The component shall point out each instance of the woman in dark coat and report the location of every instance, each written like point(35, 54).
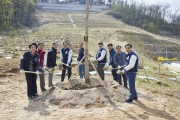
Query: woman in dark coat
point(30, 62)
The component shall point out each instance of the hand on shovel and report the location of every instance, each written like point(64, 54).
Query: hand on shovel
point(120, 72)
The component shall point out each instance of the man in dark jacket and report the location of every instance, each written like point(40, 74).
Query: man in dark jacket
point(42, 64)
point(51, 61)
point(111, 60)
point(66, 59)
point(101, 57)
point(119, 61)
point(30, 63)
point(80, 57)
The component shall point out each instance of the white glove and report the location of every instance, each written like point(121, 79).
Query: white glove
point(44, 67)
point(107, 65)
point(67, 64)
point(20, 71)
point(37, 72)
point(123, 71)
point(98, 59)
point(119, 66)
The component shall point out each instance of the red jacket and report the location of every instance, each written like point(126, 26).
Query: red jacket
point(41, 54)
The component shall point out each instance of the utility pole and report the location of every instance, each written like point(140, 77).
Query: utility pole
point(87, 78)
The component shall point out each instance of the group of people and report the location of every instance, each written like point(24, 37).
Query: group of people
point(126, 62)
point(37, 60)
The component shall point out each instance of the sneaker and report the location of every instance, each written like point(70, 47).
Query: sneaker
point(44, 90)
point(126, 87)
point(128, 100)
point(30, 98)
point(51, 85)
point(135, 98)
point(35, 96)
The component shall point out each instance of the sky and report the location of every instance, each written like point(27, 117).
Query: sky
point(174, 4)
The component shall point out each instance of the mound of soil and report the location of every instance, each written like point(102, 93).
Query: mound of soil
point(78, 94)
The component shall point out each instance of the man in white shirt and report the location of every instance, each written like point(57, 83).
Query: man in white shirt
point(101, 57)
point(131, 69)
point(66, 59)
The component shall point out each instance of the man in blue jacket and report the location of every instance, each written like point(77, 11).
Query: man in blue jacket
point(51, 61)
point(81, 58)
point(112, 52)
point(66, 59)
point(119, 61)
point(101, 57)
point(131, 69)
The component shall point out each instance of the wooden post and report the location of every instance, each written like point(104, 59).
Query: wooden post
point(87, 78)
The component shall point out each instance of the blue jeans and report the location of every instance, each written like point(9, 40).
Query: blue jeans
point(82, 71)
point(131, 79)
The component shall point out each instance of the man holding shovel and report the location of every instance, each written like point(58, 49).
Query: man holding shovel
point(119, 61)
point(66, 59)
point(42, 64)
point(29, 64)
point(80, 57)
point(51, 61)
point(101, 58)
point(112, 52)
point(131, 69)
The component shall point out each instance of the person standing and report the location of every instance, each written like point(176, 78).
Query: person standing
point(51, 62)
point(42, 64)
point(131, 69)
point(66, 59)
point(30, 63)
point(119, 61)
point(101, 58)
point(81, 58)
point(112, 52)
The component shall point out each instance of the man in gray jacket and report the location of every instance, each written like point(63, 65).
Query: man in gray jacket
point(120, 60)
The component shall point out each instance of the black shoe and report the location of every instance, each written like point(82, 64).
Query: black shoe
point(126, 87)
point(135, 98)
point(128, 100)
point(51, 85)
point(44, 90)
point(35, 96)
point(30, 97)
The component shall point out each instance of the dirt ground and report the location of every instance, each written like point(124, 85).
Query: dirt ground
point(15, 106)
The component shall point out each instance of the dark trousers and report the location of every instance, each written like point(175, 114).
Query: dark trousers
point(118, 78)
point(124, 76)
point(114, 74)
point(100, 70)
point(31, 84)
point(82, 70)
point(42, 79)
point(64, 72)
point(131, 79)
point(50, 78)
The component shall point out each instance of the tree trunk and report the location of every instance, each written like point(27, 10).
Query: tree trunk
point(87, 78)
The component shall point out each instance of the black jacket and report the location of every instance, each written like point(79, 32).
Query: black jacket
point(51, 58)
point(30, 62)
